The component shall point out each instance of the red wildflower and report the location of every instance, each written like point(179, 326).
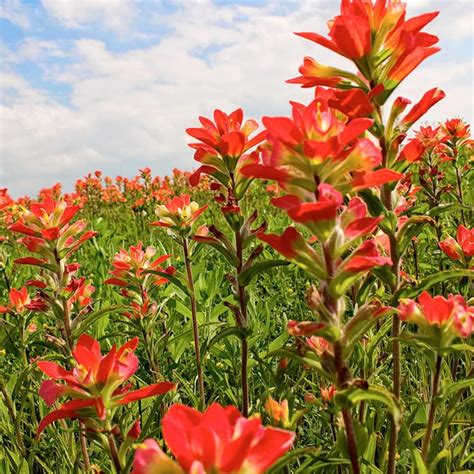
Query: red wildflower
point(48, 229)
point(178, 213)
point(218, 440)
point(314, 145)
point(319, 216)
point(452, 316)
point(21, 301)
point(278, 412)
point(328, 393)
point(129, 265)
point(462, 248)
point(456, 129)
point(292, 245)
point(384, 46)
point(94, 382)
point(413, 151)
point(222, 144)
point(429, 99)
point(364, 258)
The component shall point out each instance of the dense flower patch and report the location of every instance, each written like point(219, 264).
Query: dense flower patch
point(301, 302)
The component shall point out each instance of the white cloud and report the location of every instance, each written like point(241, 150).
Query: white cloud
point(15, 12)
point(130, 109)
point(115, 15)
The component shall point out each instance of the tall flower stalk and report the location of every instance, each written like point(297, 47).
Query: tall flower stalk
point(223, 149)
point(178, 216)
point(385, 47)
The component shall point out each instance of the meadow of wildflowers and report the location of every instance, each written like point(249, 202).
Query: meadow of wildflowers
point(300, 303)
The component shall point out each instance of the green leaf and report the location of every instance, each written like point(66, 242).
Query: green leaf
point(419, 466)
point(441, 208)
point(374, 204)
point(92, 318)
point(308, 361)
point(171, 278)
point(430, 281)
point(452, 387)
point(375, 393)
point(247, 275)
point(232, 331)
point(410, 229)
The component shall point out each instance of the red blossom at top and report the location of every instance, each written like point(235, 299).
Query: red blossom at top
point(94, 382)
point(222, 144)
point(382, 43)
point(220, 440)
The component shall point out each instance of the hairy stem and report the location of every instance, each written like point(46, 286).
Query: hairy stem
point(242, 297)
point(197, 349)
point(387, 202)
point(342, 372)
point(85, 453)
point(114, 453)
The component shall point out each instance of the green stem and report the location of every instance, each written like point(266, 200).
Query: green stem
point(432, 412)
point(197, 350)
point(461, 197)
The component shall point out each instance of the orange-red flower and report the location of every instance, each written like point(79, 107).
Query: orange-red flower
point(430, 98)
point(130, 265)
point(94, 382)
point(462, 248)
point(315, 146)
point(292, 245)
point(49, 232)
point(20, 301)
point(456, 129)
point(178, 213)
point(219, 440)
point(364, 258)
point(223, 145)
point(328, 393)
point(442, 318)
point(412, 151)
point(383, 45)
point(278, 412)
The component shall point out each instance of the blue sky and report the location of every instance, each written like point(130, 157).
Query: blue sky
point(112, 84)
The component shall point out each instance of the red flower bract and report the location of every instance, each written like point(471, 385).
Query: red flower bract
point(219, 440)
point(94, 382)
point(451, 315)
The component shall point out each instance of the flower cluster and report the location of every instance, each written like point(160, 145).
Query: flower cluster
point(315, 145)
point(335, 225)
point(219, 440)
point(442, 319)
point(94, 383)
point(178, 213)
point(461, 248)
point(384, 45)
point(49, 232)
point(138, 274)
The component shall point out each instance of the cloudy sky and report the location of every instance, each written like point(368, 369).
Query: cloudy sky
point(112, 84)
